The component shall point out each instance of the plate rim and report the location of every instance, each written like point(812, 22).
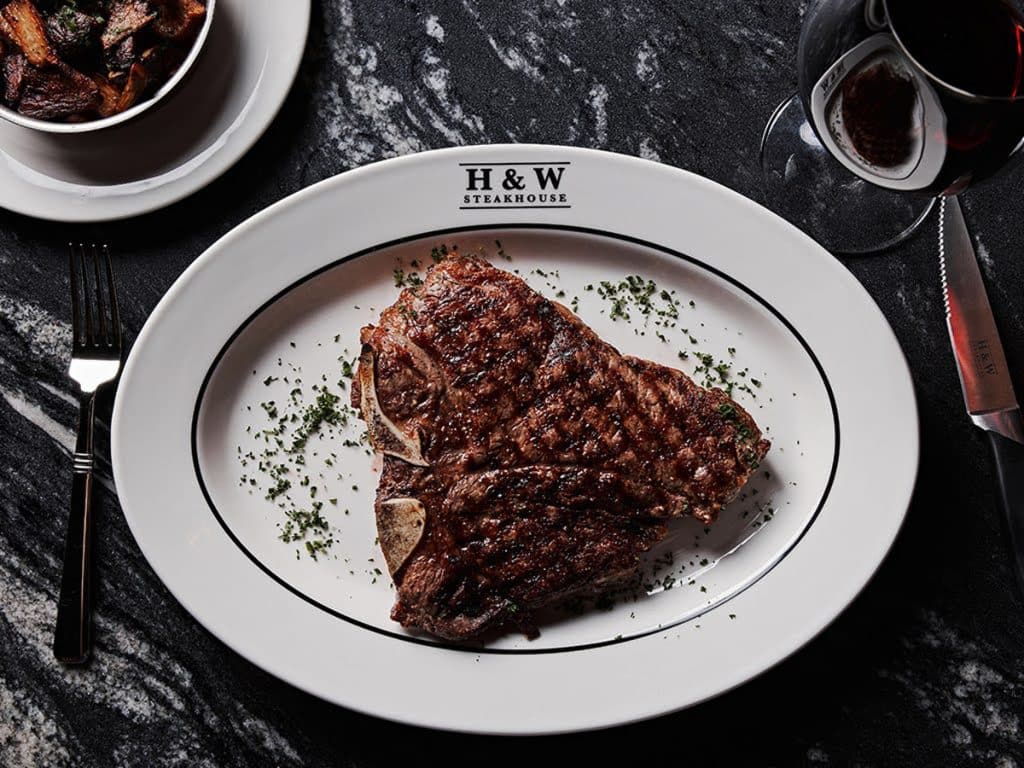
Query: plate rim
point(823, 617)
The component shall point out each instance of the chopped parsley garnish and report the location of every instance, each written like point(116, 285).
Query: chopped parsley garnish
point(277, 465)
point(437, 254)
point(411, 279)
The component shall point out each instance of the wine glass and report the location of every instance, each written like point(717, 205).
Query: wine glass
point(899, 101)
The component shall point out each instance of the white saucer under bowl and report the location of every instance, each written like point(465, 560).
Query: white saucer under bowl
point(226, 103)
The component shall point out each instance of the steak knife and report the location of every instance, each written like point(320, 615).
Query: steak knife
point(981, 362)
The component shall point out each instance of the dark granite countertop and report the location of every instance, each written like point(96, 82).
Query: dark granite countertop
point(925, 669)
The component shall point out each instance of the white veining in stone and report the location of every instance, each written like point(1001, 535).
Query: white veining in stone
point(647, 150)
point(436, 79)
point(46, 336)
point(509, 55)
point(374, 102)
point(128, 675)
point(910, 306)
point(973, 698)
point(960, 692)
point(646, 63)
point(988, 264)
point(761, 38)
point(995, 285)
point(817, 756)
point(27, 735)
point(59, 393)
point(30, 411)
point(514, 59)
point(268, 738)
point(599, 104)
point(434, 28)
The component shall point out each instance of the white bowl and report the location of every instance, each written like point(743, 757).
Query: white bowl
point(49, 126)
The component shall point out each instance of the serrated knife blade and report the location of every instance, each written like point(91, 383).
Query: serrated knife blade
point(980, 360)
point(984, 375)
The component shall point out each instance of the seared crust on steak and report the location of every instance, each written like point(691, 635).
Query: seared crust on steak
point(551, 461)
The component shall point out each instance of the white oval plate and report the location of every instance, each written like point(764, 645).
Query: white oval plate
point(195, 134)
point(284, 296)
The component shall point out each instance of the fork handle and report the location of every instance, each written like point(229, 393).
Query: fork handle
point(72, 641)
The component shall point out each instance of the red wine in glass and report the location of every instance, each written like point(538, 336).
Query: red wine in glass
point(915, 95)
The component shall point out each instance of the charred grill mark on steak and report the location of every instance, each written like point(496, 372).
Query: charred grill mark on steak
point(552, 461)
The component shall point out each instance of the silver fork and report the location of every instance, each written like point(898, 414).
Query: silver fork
point(95, 361)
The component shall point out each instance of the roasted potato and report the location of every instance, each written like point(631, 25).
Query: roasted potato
point(126, 18)
point(179, 20)
point(14, 70)
point(110, 96)
point(72, 32)
point(27, 30)
point(58, 92)
point(79, 60)
point(121, 57)
point(138, 81)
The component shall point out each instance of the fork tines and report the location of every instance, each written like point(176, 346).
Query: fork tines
point(95, 323)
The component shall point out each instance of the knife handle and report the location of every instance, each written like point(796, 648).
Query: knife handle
point(1010, 467)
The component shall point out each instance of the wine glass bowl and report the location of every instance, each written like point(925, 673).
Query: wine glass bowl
point(904, 100)
point(915, 95)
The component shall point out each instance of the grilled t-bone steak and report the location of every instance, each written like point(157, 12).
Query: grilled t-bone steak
point(526, 460)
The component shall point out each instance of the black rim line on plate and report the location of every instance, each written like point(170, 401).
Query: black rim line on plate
point(498, 226)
